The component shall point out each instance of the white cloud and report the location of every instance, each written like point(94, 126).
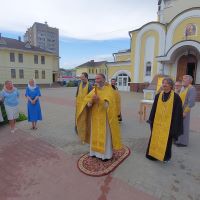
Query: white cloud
point(81, 19)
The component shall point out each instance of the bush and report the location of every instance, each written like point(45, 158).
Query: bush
point(22, 117)
point(71, 84)
point(3, 111)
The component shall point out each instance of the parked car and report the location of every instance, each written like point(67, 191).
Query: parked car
point(73, 83)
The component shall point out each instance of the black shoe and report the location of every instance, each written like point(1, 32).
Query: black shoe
point(181, 145)
point(105, 160)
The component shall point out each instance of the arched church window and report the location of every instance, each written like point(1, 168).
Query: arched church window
point(122, 75)
point(148, 69)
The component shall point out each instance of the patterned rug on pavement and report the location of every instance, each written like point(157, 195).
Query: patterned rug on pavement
point(93, 166)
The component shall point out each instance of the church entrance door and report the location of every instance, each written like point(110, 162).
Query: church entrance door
point(187, 64)
point(123, 82)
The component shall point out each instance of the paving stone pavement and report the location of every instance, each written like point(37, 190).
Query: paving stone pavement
point(41, 164)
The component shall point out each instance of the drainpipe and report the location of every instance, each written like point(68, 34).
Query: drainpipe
point(130, 38)
point(132, 84)
point(163, 65)
point(106, 71)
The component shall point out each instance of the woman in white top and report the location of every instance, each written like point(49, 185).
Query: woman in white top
point(10, 96)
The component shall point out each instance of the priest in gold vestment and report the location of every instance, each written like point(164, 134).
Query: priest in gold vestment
point(82, 90)
point(103, 133)
point(166, 122)
point(117, 99)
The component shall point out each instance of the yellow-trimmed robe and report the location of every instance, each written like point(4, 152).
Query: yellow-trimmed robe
point(102, 112)
point(166, 120)
point(188, 96)
point(81, 93)
point(118, 102)
point(183, 94)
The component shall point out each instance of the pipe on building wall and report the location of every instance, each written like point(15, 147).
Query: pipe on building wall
point(106, 72)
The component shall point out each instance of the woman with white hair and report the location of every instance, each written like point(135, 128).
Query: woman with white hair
point(188, 96)
point(33, 104)
point(10, 96)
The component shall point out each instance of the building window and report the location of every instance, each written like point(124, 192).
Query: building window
point(12, 57)
point(43, 74)
point(21, 73)
point(92, 71)
point(35, 59)
point(89, 71)
point(13, 73)
point(20, 58)
point(36, 74)
point(96, 71)
point(42, 60)
point(148, 69)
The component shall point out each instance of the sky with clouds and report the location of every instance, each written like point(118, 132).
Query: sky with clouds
point(89, 29)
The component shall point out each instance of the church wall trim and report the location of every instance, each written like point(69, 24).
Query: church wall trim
point(147, 24)
point(169, 53)
point(151, 27)
point(121, 72)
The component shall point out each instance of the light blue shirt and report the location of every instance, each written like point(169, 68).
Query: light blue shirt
point(10, 98)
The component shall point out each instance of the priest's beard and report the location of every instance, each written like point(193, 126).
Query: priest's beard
point(100, 85)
